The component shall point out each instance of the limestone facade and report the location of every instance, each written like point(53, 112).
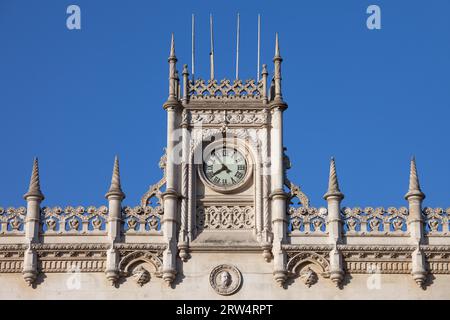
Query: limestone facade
point(224, 221)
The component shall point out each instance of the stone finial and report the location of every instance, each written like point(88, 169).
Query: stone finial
point(277, 95)
point(333, 184)
point(264, 70)
point(277, 47)
point(172, 48)
point(414, 186)
point(34, 190)
point(115, 189)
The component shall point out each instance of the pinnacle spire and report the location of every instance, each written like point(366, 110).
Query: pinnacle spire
point(115, 189)
point(172, 47)
point(414, 185)
point(34, 190)
point(333, 184)
point(277, 46)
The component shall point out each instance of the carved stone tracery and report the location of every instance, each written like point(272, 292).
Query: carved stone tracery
point(225, 90)
point(225, 218)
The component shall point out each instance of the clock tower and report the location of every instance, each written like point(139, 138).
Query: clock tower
point(226, 187)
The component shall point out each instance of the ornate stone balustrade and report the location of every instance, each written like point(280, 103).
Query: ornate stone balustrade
point(370, 221)
point(142, 219)
point(436, 221)
point(71, 220)
point(304, 220)
point(237, 90)
point(12, 220)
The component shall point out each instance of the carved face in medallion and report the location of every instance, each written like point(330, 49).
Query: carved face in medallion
point(225, 279)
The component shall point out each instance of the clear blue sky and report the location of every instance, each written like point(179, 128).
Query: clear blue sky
point(370, 98)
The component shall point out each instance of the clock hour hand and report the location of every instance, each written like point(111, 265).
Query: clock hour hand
point(224, 168)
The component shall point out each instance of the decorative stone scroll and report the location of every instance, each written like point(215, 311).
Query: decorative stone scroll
point(436, 221)
point(375, 221)
point(238, 90)
point(294, 190)
point(71, 220)
point(142, 219)
point(153, 196)
point(12, 220)
point(307, 220)
point(225, 217)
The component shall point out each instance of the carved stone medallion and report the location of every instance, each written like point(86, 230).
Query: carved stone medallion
point(225, 279)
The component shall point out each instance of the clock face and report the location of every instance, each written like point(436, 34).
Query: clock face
point(225, 167)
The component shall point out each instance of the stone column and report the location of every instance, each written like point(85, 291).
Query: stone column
point(34, 197)
point(278, 196)
point(334, 196)
point(183, 239)
point(266, 236)
point(114, 196)
point(264, 75)
point(415, 196)
point(171, 195)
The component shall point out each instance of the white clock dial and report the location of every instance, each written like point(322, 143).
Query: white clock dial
point(225, 167)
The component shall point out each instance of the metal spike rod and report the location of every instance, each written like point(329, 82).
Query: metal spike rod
point(259, 48)
point(237, 47)
point(211, 54)
point(193, 48)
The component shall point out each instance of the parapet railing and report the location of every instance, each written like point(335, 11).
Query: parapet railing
point(12, 220)
point(74, 220)
point(374, 221)
point(436, 221)
point(140, 220)
point(304, 220)
point(225, 89)
point(80, 220)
